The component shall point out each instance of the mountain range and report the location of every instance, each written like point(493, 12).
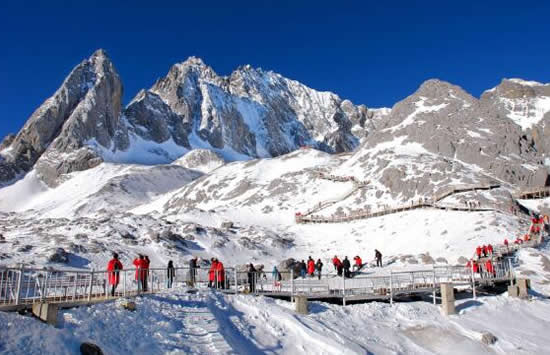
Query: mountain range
point(198, 149)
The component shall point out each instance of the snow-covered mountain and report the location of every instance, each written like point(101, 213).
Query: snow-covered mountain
point(198, 149)
point(251, 113)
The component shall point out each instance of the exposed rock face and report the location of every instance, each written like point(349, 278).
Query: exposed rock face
point(202, 160)
point(445, 120)
point(526, 103)
point(251, 113)
point(85, 107)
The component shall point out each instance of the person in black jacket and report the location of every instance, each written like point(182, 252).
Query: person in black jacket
point(319, 268)
point(252, 278)
point(170, 274)
point(303, 269)
point(378, 257)
point(192, 271)
point(347, 265)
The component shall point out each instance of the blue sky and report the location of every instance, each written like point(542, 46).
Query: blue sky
point(374, 53)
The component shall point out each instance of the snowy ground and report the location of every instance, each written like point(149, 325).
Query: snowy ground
point(209, 323)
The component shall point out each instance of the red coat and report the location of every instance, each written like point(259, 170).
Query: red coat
point(336, 262)
point(114, 265)
point(140, 265)
point(489, 266)
point(358, 261)
point(478, 251)
point(475, 267)
point(311, 267)
point(484, 248)
point(212, 272)
point(506, 242)
point(220, 272)
point(490, 248)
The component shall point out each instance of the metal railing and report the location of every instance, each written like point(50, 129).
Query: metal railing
point(24, 286)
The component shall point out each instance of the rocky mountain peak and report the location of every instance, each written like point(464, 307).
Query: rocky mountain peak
point(514, 89)
point(441, 90)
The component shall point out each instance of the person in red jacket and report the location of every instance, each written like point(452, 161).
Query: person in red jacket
point(490, 268)
point(335, 262)
point(337, 265)
point(506, 243)
point(490, 249)
point(212, 272)
point(113, 268)
point(310, 267)
point(475, 267)
point(139, 263)
point(478, 252)
point(484, 250)
point(220, 274)
point(358, 263)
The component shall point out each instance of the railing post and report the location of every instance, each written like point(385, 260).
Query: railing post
point(343, 289)
point(91, 285)
point(19, 283)
point(124, 285)
point(236, 282)
point(75, 285)
point(391, 287)
point(510, 272)
point(434, 287)
point(291, 285)
point(473, 279)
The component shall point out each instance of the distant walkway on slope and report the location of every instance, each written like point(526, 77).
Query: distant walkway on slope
point(533, 193)
point(434, 202)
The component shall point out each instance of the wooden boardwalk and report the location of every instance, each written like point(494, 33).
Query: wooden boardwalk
point(434, 202)
point(533, 193)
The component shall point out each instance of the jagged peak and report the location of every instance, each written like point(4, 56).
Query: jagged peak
point(100, 53)
point(436, 88)
point(523, 82)
point(194, 61)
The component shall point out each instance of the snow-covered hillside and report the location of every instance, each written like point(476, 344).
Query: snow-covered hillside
point(207, 323)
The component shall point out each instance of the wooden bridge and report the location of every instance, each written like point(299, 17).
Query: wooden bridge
point(434, 202)
point(533, 193)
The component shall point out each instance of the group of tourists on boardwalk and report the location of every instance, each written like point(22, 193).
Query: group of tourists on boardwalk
point(472, 204)
point(141, 262)
point(344, 267)
point(311, 268)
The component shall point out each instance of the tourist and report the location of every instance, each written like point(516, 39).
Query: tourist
point(303, 269)
point(113, 267)
point(336, 262)
point(378, 257)
point(346, 264)
point(146, 264)
point(220, 275)
point(490, 268)
point(358, 263)
point(170, 274)
point(319, 268)
point(478, 252)
point(275, 274)
point(139, 263)
point(310, 267)
point(193, 270)
point(490, 249)
point(212, 273)
point(251, 278)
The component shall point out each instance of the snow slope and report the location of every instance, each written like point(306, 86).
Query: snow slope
point(108, 187)
point(208, 323)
